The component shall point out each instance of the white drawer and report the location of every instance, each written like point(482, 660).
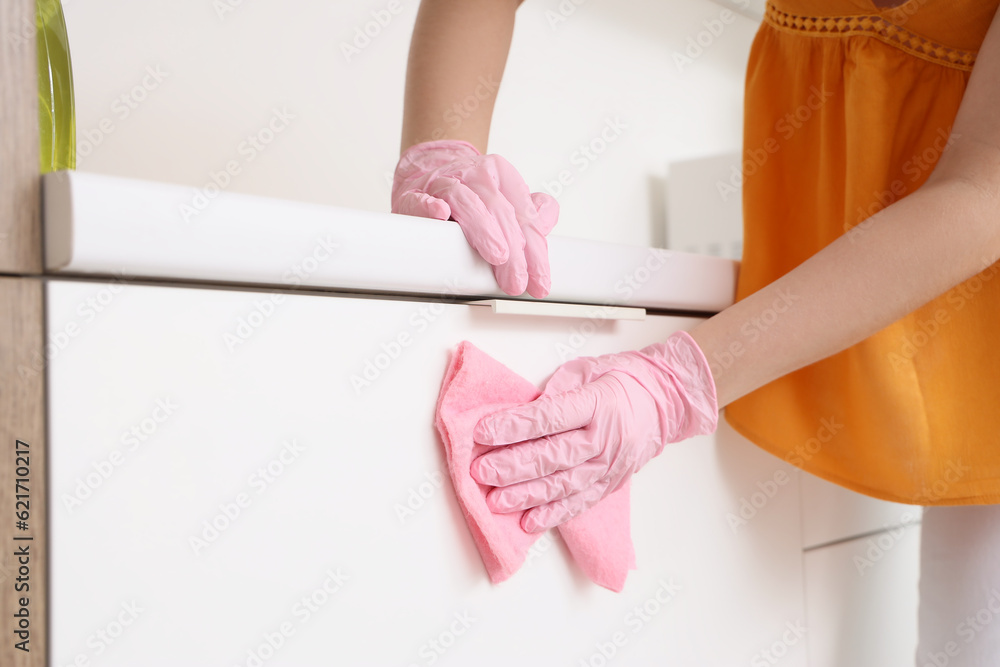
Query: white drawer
point(327, 518)
point(861, 600)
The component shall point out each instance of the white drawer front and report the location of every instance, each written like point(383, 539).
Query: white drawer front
point(221, 503)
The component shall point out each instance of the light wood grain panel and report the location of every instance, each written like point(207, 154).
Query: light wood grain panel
point(20, 230)
point(22, 417)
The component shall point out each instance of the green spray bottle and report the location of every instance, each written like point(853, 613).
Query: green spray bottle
point(56, 118)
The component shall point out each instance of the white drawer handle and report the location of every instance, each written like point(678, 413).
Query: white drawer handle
point(552, 309)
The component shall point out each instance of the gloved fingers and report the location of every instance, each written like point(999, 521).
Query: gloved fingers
point(482, 229)
point(552, 514)
point(556, 486)
point(527, 217)
point(511, 185)
point(536, 458)
point(422, 205)
point(543, 416)
point(536, 255)
point(580, 370)
point(571, 374)
point(536, 248)
point(512, 275)
point(548, 211)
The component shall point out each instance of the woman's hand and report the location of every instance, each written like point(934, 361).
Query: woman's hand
point(599, 420)
point(504, 222)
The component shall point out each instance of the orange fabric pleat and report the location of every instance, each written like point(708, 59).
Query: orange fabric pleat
point(848, 108)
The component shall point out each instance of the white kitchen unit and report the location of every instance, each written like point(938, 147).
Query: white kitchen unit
point(852, 620)
point(833, 514)
point(245, 471)
point(862, 599)
point(862, 569)
point(346, 479)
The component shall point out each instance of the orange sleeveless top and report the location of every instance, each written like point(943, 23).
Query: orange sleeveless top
point(848, 108)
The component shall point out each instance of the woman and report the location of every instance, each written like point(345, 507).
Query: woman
point(866, 292)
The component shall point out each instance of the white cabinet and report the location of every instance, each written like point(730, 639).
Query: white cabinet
point(861, 600)
point(862, 566)
point(249, 505)
point(831, 513)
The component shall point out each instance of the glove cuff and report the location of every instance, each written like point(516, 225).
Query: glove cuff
point(430, 155)
point(420, 159)
point(682, 364)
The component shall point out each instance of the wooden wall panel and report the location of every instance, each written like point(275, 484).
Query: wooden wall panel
point(20, 231)
point(22, 336)
point(22, 418)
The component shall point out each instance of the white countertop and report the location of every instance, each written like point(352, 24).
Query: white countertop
point(108, 225)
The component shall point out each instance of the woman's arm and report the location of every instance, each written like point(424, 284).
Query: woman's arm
point(457, 57)
point(911, 252)
point(458, 50)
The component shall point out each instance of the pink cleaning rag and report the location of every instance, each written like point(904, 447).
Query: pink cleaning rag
point(600, 539)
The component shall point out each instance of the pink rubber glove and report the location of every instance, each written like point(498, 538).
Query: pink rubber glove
point(504, 222)
point(599, 420)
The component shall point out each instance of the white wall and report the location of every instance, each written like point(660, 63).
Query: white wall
point(229, 63)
